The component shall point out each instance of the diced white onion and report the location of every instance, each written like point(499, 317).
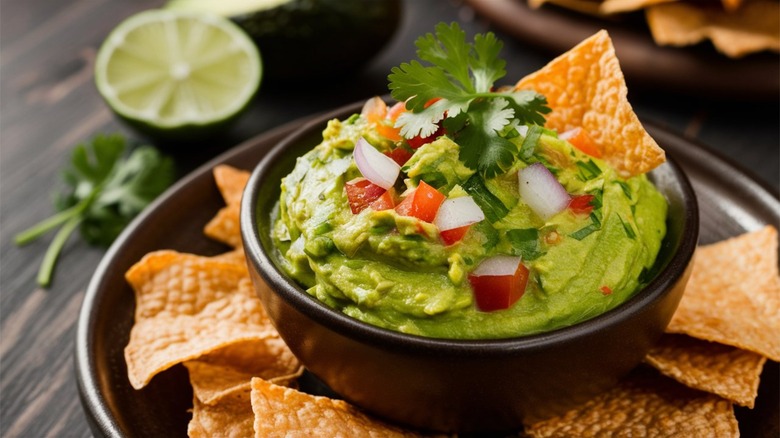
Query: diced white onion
point(566, 135)
point(458, 212)
point(541, 191)
point(497, 266)
point(375, 166)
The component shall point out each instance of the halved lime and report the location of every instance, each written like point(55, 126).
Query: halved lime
point(178, 75)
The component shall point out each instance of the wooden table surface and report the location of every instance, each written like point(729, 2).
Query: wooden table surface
point(48, 103)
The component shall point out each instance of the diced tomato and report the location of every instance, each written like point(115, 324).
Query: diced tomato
point(405, 207)
point(395, 111)
point(580, 139)
point(454, 235)
point(416, 142)
point(400, 155)
point(361, 193)
point(384, 202)
point(423, 203)
point(581, 204)
point(497, 292)
point(388, 131)
point(606, 290)
point(374, 110)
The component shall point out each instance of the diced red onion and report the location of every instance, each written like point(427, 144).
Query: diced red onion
point(497, 265)
point(541, 191)
point(458, 212)
point(375, 166)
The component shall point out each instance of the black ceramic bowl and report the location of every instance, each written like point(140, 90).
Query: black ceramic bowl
point(457, 385)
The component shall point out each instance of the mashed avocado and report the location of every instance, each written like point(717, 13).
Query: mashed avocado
point(394, 271)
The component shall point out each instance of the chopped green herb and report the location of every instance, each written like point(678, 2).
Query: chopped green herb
point(595, 225)
point(461, 75)
point(493, 208)
point(525, 243)
point(588, 170)
point(106, 191)
point(626, 189)
point(584, 232)
point(629, 229)
point(490, 233)
point(530, 142)
point(598, 197)
point(595, 217)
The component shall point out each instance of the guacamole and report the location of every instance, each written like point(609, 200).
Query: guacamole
point(394, 270)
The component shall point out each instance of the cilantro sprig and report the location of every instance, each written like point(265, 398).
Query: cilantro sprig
point(106, 190)
point(461, 76)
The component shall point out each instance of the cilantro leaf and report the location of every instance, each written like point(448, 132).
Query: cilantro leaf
point(496, 154)
point(490, 204)
point(106, 191)
point(525, 243)
point(461, 76)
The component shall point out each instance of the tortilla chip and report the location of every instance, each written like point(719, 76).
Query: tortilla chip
point(231, 183)
point(231, 417)
point(278, 408)
point(218, 373)
point(585, 88)
point(620, 6)
point(187, 306)
point(644, 404)
point(235, 256)
point(729, 372)
point(590, 7)
point(752, 28)
point(224, 227)
point(733, 295)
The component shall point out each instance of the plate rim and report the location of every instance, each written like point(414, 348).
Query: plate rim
point(103, 421)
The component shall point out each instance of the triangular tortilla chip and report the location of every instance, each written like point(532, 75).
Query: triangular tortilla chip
point(187, 306)
point(754, 27)
point(298, 414)
point(222, 371)
point(224, 227)
point(231, 417)
point(590, 7)
point(231, 182)
point(729, 372)
point(644, 404)
point(235, 256)
point(619, 6)
point(733, 295)
point(585, 88)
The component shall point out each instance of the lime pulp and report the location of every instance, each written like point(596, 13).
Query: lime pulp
point(170, 72)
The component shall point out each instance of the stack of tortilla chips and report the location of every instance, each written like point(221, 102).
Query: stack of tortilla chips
point(203, 311)
point(735, 27)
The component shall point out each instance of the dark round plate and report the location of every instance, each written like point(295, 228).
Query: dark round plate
point(730, 201)
point(696, 69)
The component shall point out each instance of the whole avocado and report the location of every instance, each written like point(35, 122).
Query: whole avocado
point(306, 38)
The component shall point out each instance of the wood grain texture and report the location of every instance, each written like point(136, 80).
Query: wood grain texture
point(48, 103)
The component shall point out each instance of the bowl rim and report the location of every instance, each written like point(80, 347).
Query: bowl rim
point(286, 288)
